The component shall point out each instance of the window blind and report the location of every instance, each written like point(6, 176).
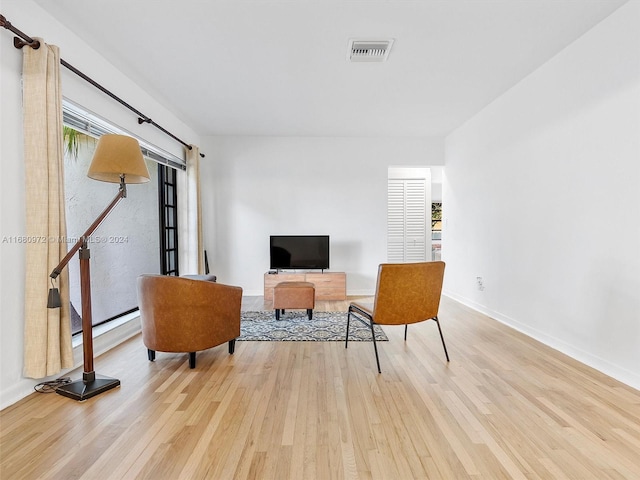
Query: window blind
point(85, 122)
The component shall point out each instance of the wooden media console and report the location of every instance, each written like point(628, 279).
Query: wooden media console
point(328, 285)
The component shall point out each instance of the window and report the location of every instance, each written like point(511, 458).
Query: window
point(131, 239)
point(168, 211)
point(436, 230)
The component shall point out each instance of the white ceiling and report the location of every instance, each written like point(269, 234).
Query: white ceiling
point(279, 67)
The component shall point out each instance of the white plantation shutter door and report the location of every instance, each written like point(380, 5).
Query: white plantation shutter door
point(395, 221)
point(406, 221)
point(415, 221)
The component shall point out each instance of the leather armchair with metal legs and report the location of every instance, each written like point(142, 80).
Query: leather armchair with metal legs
point(180, 314)
point(405, 293)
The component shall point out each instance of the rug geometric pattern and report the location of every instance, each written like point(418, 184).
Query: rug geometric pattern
point(295, 326)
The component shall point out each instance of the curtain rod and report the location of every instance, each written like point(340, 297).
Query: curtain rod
point(23, 39)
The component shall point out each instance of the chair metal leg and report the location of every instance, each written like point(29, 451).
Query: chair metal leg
point(151, 354)
point(232, 346)
point(373, 333)
point(277, 314)
point(405, 331)
point(375, 348)
point(192, 359)
point(310, 313)
point(346, 340)
point(442, 338)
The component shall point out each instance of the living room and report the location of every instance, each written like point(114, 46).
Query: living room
point(531, 178)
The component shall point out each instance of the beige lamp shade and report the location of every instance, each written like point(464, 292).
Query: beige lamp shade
point(116, 156)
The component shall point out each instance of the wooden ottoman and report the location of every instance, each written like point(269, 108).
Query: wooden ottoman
point(294, 295)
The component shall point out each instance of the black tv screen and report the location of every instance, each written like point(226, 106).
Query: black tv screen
point(299, 251)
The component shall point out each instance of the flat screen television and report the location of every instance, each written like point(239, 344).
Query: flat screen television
point(299, 251)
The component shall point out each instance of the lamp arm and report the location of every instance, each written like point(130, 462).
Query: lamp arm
point(122, 193)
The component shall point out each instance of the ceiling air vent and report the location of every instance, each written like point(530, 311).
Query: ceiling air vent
point(369, 50)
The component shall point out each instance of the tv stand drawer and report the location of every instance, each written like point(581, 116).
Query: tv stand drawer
point(329, 285)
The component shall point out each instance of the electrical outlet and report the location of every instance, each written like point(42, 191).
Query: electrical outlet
point(480, 283)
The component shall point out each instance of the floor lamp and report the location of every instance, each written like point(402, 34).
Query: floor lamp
point(117, 159)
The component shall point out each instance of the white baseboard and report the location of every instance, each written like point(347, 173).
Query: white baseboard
point(621, 374)
point(252, 293)
point(360, 293)
point(104, 339)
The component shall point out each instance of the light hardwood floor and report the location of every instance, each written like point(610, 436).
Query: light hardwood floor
point(504, 407)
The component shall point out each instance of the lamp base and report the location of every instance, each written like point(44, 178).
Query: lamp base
point(88, 387)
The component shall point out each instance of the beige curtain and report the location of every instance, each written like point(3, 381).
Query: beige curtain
point(47, 335)
point(194, 213)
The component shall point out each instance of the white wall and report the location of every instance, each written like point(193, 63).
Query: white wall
point(259, 186)
point(31, 19)
point(542, 200)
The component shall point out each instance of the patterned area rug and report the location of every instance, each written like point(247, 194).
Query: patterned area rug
point(294, 326)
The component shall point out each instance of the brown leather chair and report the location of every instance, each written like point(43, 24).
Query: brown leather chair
point(181, 314)
point(405, 293)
